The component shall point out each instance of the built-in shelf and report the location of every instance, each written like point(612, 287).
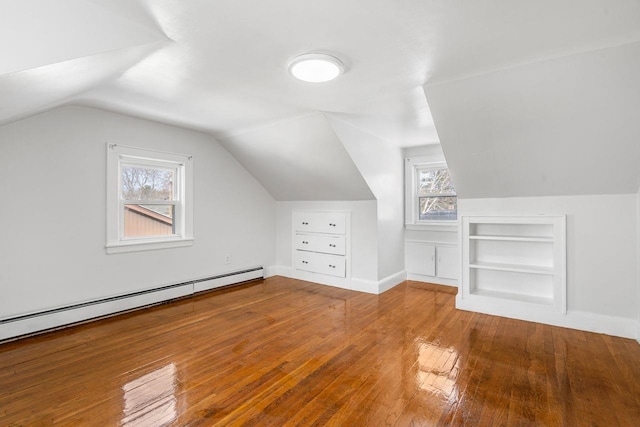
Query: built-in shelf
point(514, 297)
point(510, 261)
point(513, 238)
point(515, 268)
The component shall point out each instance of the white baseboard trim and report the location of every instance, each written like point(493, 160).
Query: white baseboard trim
point(277, 270)
point(61, 316)
point(432, 279)
point(364, 285)
point(391, 281)
point(584, 321)
point(354, 283)
point(218, 282)
point(378, 286)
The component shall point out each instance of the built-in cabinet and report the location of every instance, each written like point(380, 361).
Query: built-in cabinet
point(432, 262)
point(513, 263)
point(321, 243)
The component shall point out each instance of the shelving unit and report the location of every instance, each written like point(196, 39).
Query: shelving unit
point(513, 263)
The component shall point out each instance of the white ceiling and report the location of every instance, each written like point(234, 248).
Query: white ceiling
point(220, 66)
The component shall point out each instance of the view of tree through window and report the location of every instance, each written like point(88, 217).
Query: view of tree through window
point(155, 187)
point(436, 195)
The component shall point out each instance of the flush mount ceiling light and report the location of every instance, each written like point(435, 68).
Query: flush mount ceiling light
point(315, 67)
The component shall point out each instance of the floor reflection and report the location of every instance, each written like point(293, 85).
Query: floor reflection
point(150, 400)
point(437, 369)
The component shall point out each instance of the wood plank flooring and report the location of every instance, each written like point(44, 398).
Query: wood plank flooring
point(286, 352)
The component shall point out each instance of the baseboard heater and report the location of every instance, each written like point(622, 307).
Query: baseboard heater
point(27, 324)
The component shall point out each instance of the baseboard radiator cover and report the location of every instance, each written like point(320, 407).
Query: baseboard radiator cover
point(28, 324)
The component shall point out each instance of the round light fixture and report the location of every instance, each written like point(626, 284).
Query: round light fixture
point(315, 67)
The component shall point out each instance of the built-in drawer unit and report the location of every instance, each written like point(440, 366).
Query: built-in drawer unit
point(320, 222)
point(321, 247)
point(328, 244)
point(333, 265)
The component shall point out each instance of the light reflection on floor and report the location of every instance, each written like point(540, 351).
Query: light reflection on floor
point(437, 369)
point(150, 400)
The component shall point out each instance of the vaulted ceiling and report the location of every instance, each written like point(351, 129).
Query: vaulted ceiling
point(221, 66)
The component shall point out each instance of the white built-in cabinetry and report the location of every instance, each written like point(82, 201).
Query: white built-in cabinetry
point(432, 262)
point(513, 265)
point(321, 246)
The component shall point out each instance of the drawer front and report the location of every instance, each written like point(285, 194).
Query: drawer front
point(320, 222)
point(327, 244)
point(333, 265)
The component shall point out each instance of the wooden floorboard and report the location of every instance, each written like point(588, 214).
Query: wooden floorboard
point(287, 352)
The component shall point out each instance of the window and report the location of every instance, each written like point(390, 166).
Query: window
point(149, 199)
point(430, 193)
point(436, 195)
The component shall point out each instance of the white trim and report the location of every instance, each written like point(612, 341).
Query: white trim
point(150, 246)
point(218, 282)
point(432, 279)
point(377, 287)
point(391, 281)
point(183, 215)
point(61, 316)
point(432, 242)
point(364, 285)
point(591, 322)
point(355, 284)
point(410, 191)
point(277, 270)
point(322, 279)
point(443, 226)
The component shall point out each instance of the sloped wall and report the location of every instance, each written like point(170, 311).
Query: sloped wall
point(567, 126)
point(54, 181)
point(299, 159)
point(558, 137)
point(381, 165)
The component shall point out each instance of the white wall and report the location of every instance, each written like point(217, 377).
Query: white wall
point(422, 150)
point(638, 261)
point(602, 271)
point(299, 159)
point(566, 126)
point(364, 261)
point(381, 165)
point(53, 184)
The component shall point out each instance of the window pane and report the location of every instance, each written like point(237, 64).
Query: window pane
point(144, 220)
point(147, 183)
point(434, 181)
point(438, 208)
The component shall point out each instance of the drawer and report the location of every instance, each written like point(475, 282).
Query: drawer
point(320, 222)
point(325, 243)
point(333, 265)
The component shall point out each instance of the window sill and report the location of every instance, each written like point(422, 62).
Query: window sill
point(147, 246)
point(450, 226)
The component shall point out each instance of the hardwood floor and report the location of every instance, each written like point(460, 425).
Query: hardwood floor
point(286, 352)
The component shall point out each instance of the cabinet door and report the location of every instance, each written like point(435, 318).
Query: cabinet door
point(420, 258)
point(448, 262)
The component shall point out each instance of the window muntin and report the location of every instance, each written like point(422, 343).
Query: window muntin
point(149, 203)
point(435, 193)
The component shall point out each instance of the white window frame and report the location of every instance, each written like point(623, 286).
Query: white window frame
point(412, 166)
point(119, 155)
